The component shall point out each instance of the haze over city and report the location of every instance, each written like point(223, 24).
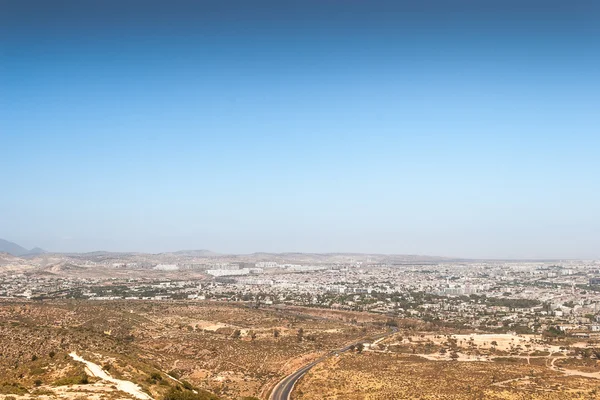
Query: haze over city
point(463, 129)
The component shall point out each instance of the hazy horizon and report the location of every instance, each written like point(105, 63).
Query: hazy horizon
point(176, 250)
point(456, 129)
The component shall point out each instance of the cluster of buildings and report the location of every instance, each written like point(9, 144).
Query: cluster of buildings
point(496, 295)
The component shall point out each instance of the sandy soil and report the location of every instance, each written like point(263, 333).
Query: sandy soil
point(96, 391)
point(504, 341)
point(124, 386)
point(211, 326)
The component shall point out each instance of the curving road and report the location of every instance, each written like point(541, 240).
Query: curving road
point(283, 389)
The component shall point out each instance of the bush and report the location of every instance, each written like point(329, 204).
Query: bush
point(42, 392)
point(155, 376)
point(178, 394)
point(300, 334)
point(72, 380)
point(187, 385)
point(391, 323)
point(12, 388)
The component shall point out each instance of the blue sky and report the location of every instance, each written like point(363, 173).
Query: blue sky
point(441, 128)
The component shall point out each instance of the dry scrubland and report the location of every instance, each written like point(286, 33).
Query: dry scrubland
point(400, 376)
point(230, 350)
point(418, 364)
point(234, 352)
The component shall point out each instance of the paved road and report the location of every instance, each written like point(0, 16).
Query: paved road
point(283, 389)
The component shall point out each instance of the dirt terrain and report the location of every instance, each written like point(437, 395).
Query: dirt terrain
point(387, 376)
point(231, 350)
point(108, 350)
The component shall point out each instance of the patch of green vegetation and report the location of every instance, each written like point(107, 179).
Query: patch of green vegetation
point(507, 360)
point(12, 388)
point(182, 394)
point(36, 371)
point(42, 392)
point(553, 332)
point(155, 378)
point(539, 353)
point(72, 380)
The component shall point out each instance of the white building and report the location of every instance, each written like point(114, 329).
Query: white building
point(167, 267)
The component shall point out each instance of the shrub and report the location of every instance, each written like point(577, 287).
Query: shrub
point(300, 334)
point(155, 376)
point(72, 380)
point(175, 394)
point(187, 385)
point(12, 388)
point(43, 392)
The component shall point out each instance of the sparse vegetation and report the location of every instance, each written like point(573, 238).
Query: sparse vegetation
point(194, 343)
point(387, 376)
point(179, 394)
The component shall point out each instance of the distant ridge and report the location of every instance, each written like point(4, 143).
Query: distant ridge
point(18, 251)
point(35, 251)
point(196, 253)
point(12, 248)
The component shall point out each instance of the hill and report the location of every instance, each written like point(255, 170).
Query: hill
point(16, 250)
point(35, 251)
point(12, 248)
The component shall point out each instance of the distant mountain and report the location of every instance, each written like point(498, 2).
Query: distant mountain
point(35, 251)
point(16, 250)
point(196, 253)
point(12, 248)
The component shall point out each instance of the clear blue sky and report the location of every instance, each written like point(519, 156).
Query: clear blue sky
point(437, 127)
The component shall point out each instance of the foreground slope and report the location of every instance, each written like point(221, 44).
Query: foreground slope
point(230, 350)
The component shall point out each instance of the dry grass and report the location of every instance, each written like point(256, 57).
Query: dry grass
point(394, 376)
point(228, 349)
